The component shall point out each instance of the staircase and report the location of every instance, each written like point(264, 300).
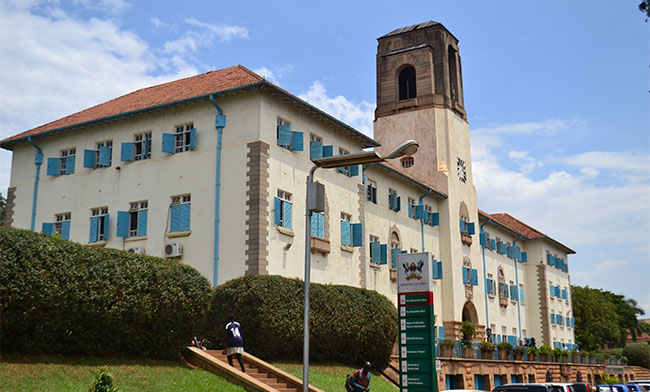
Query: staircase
point(260, 376)
point(391, 373)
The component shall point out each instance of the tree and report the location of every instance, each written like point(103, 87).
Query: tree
point(645, 8)
point(627, 310)
point(595, 318)
point(3, 204)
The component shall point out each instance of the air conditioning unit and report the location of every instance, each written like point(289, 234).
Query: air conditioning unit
point(137, 250)
point(173, 250)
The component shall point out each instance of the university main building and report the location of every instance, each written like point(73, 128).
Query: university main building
point(211, 170)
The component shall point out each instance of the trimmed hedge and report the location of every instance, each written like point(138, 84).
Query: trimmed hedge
point(348, 324)
point(637, 354)
point(62, 297)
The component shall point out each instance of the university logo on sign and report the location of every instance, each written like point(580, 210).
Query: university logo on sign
point(414, 272)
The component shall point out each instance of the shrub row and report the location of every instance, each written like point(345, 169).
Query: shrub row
point(347, 325)
point(62, 297)
point(637, 354)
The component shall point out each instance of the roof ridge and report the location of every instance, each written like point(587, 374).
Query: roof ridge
point(259, 77)
point(520, 222)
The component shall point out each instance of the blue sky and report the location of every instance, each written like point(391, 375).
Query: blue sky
point(556, 92)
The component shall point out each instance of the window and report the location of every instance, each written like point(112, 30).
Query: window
point(413, 250)
point(179, 213)
point(138, 218)
point(393, 200)
point(62, 225)
point(411, 207)
point(521, 295)
point(183, 138)
point(407, 162)
point(105, 159)
point(99, 224)
point(453, 77)
point(66, 163)
point(395, 249)
point(316, 148)
point(282, 205)
point(470, 276)
point(371, 192)
point(318, 225)
point(376, 250)
point(344, 169)
point(406, 82)
point(142, 146)
point(345, 229)
point(284, 133)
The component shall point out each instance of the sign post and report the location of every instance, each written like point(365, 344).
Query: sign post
point(417, 343)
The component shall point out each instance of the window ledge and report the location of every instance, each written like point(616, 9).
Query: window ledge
point(348, 249)
point(375, 266)
point(141, 238)
point(491, 295)
point(320, 245)
point(98, 244)
point(179, 234)
point(285, 231)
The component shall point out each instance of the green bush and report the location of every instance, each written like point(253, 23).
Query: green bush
point(637, 355)
point(62, 297)
point(347, 324)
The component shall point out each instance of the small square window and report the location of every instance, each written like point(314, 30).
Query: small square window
point(182, 138)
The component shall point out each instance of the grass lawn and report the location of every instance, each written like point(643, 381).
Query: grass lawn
point(331, 378)
point(45, 373)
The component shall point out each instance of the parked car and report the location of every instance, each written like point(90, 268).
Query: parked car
point(635, 387)
point(645, 384)
point(571, 386)
point(528, 388)
point(612, 388)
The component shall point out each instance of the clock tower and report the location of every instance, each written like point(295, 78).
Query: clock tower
point(420, 96)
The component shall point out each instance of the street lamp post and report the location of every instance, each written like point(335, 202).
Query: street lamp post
point(409, 147)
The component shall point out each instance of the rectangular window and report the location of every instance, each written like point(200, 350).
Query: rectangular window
point(104, 155)
point(375, 249)
point(315, 146)
point(411, 207)
point(284, 133)
point(346, 235)
point(371, 192)
point(62, 225)
point(142, 146)
point(66, 162)
point(99, 224)
point(179, 214)
point(283, 209)
point(344, 169)
point(138, 218)
point(393, 200)
point(183, 139)
point(318, 225)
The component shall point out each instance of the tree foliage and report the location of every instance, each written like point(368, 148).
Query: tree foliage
point(3, 206)
point(603, 317)
point(638, 355)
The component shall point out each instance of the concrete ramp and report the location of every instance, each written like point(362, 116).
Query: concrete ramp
point(260, 376)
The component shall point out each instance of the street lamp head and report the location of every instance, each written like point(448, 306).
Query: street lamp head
point(409, 147)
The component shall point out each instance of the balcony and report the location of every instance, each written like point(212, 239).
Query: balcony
point(320, 245)
point(466, 239)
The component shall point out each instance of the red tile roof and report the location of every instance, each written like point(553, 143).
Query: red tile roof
point(178, 90)
point(516, 225)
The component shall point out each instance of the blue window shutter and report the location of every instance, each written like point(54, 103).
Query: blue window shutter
point(548, 258)
point(142, 223)
point(185, 216)
point(53, 166)
point(410, 210)
point(419, 211)
point(394, 253)
point(488, 286)
point(277, 207)
point(47, 228)
point(383, 254)
point(441, 332)
point(168, 142)
point(105, 156)
point(462, 226)
point(107, 226)
point(175, 218)
point(399, 204)
point(147, 147)
point(126, 154)
point(314, 224)
point(524, 257)
point(375, 252)
point(513, 292)
point(69, 164)
point(284, 135)
point(321, 225)
point(345, 233)
point(297, 141)
point(65, 230)
point(439, 270)
point(434, 269)
point(474, 277)
point(89, 158)
point(357, 234)
point(573, 322)
point(391, 201)
point(286, 211)
point(341, 169)
point(315, 150)
point(465, 275)
point(552, 318)
point(94, 229)
point(471, 228)
point(506, 290)
point(354, 170)
point(434, 219)
point(483, 239)
point(123, 221)
point(192, 138)
point(521, 295)
point(493, 244)
point(328, 151)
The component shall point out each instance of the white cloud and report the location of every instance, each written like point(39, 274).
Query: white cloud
point(546, 127)
point(358, 115)
point(616, 160)
point(157, 23)
point(110, 6)
point(224, 32)
point(604, 267)
point(266, 73)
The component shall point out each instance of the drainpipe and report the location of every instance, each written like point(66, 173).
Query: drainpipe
point(517, 283)
point(38, 160)
point(220, 123)
point(487, 317)
point(421, 219)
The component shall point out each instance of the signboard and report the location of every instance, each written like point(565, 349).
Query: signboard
point(417, 364)
point(615, 369)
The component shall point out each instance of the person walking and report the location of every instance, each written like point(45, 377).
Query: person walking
point(361, 378)
point(234, 342)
